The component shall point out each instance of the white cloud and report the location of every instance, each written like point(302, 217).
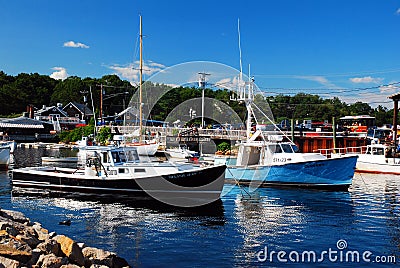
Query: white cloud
point(398, 11)
point(60, 73)
point(319, 79)
point(75, 44)
point(131, 71)
point(366, 79)
point(389, 89)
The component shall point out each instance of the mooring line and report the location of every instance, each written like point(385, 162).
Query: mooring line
point(238, 184)
point(362, 178)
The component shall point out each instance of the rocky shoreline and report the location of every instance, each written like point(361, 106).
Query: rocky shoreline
point(26, 244)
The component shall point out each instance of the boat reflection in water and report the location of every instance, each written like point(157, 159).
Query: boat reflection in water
point(272, 215)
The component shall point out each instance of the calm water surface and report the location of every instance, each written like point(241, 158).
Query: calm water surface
point(234, 232)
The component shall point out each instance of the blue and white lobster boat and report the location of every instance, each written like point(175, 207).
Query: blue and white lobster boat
point(273, 163)
point(269, 158)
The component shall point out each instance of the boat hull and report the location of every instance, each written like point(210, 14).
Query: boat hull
point(185, 188)
point(333, 173)
point(378, 168)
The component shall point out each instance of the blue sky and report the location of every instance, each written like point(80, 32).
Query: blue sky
point(344, 48)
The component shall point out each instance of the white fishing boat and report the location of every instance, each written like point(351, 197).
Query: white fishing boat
point(119, 170)
point(375, 158)
point(6, 142)
point(182, 152)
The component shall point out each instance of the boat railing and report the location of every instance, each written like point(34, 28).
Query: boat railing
point(347, 150)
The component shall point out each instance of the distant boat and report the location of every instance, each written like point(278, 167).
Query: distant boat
point(4, 157)
point(118, 170)
point(5, 141)
point(374, 158)
point(182, 152)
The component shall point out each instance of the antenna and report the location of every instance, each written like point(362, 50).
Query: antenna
point(240, 51)
point(202, 84)
point(240, 89)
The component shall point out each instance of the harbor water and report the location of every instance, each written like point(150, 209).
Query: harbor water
point(269, 227)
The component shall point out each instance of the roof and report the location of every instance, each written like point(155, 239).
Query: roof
point(50, 108)
point(20, 122)
point(80, 107)
point(395, 96)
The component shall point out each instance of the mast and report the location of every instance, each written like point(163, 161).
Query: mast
point(140, 81)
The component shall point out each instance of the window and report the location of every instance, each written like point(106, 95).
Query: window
point(295, 148)
point(275, 148)
point(287, 148)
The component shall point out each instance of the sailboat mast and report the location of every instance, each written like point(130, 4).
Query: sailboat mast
point(140, 81)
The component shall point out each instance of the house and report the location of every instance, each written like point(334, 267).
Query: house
point(78, 110)
point(50, 113)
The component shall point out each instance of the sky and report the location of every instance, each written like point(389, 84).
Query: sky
point(334, 48)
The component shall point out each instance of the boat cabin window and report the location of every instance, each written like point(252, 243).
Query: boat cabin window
point(132, 156)
point(116, 157)
point(105, 157)
point(287, 148)
point(122, 156)
point(295, 148)
point(375, 151)
point(275, 148)
point(123, 170)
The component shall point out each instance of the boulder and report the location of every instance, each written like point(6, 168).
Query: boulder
point(30, 240)
point(10, 252)
point(8, 228)
point(14, 215)
point(42, 233)
point(51, 261)
point(103, 258)
point(50, 246)
point(70, 249)
point(70, 266)
point(8, 263)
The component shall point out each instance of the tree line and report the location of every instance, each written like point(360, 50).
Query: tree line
point(17, 92)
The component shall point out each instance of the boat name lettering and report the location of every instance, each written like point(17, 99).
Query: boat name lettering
point(183, 175)
point(279, 160)
point(314, 165)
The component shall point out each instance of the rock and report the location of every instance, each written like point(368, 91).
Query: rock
point(50, 246)
point(51, 261)
point(102, 257)
point(42, 233)
point(10, 252)
point(70, 266)
point(14, 215)
point(8, 228)
point(70, 249)
point(8, 263)
point(36, 253)
point(30, 240)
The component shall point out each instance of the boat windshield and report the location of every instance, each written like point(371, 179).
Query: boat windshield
point(132, 156)
point(287, 148)
point(275, 148)
point(295, 148)
point(116, 158)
